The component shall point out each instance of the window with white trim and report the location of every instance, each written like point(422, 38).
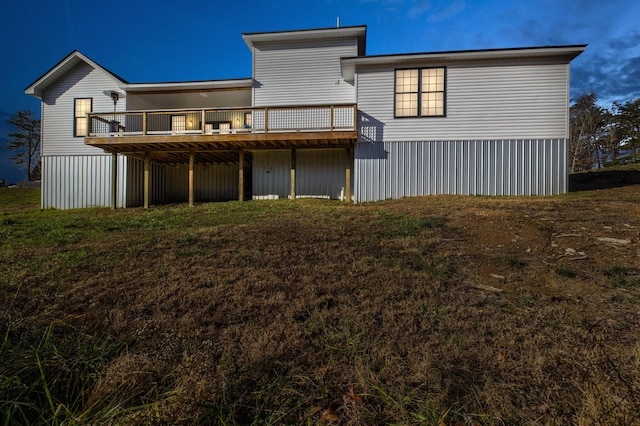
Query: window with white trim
point(81, 107)
point(420, 92)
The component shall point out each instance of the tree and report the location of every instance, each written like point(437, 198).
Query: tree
point(25, 142)
point(587, 126)
point(609, 141)
point(628, 117)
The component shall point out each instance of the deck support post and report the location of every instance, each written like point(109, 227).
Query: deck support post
point(293, 174)
point(114, 180)
point(241, 176)
point(347, 184)
point(192, 162)
point(147, 178)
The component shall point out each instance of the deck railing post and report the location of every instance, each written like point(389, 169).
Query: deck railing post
point(144, 123)
point(266, 120)
point(331, 119)
point(355, 117)
point(202, 121)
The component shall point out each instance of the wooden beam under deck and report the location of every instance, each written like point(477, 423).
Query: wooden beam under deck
point(347, 192)
point(218, 141)
point(241, 176)
point(192, 162)
point(293, 174)
point(218, 149)
point(147, 180)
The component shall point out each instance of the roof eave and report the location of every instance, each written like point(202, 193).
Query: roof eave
point(359, 31)
point(567, 53)
point(189, 85)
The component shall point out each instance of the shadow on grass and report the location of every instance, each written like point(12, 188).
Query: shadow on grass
point(603, 179)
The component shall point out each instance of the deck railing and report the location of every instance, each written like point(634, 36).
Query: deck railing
point(275, 119)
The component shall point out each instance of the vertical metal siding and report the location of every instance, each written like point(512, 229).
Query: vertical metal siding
point(79, 181)
point(302, 72)
point(271, 174)
point(216, 182)
point(170, 183)
point(524, 101)
point(478, 167)
point(135, 182)
point(320, 173)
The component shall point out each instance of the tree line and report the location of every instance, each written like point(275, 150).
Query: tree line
point(602, 136)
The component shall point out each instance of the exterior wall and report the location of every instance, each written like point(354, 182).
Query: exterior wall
point(79, 181)
point(271, 174)
point(83, 81)
point(211, 182)
point(302, 72)
point(135, 182)
point(475, 167)
point(320, 173)
point(192, 100)
point(170, 184)
point(483, 102)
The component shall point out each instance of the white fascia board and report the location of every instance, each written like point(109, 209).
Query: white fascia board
point(189, 85)
point(323, 33)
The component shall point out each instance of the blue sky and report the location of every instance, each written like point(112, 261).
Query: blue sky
point(144, 41)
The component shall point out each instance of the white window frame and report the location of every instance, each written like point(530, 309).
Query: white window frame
point(82, 130)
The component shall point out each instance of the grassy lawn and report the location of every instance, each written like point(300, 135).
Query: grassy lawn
point(435, 310)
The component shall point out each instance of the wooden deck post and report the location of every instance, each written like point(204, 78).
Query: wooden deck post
point(347, 185)
point(241, 177)
point(114, 180)
point(192, 162)
point(293, 173)
point(147, 178)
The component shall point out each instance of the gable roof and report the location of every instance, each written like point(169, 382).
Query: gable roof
point(565, 53)
point(38, 87)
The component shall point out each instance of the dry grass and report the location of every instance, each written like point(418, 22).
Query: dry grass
point(462, 310)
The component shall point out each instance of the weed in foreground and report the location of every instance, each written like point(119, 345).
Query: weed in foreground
point(47, 372)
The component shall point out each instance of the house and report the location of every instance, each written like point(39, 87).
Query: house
point(317, 118)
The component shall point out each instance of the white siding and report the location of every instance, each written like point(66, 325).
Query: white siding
point(320, 173)
point(524, 101)
point(271, 174)
point(302, 72)
point(487, 167)
point(58, 108)
point(78, 181)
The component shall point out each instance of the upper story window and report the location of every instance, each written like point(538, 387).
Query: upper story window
point(82, 106)
point(419, 92)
